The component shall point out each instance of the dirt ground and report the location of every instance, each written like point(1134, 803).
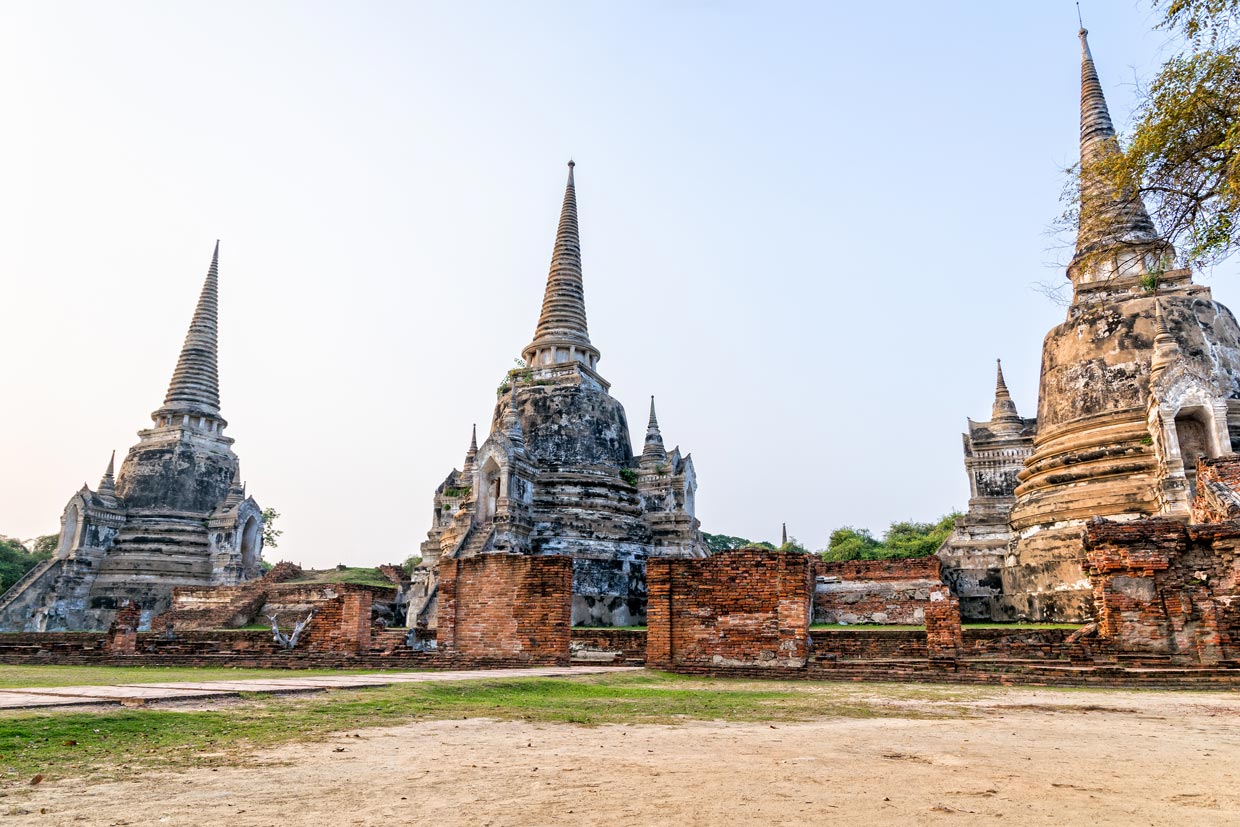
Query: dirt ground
point(1026, 756)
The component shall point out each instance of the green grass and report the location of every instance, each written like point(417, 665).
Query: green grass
point(353, 575)
point(17, 677)
point(112, 743)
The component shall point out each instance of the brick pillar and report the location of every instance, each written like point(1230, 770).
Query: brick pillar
point(445, 631)
point(796, 605)
point(122, 638)
point(944, 633)
point(355, 620)
point(659, 654)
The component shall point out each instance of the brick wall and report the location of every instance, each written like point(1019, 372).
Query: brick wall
point(742, 608)
point(122, 638)
point(601, 645)
point(904, 568)
point(944, 633)
point(1163, 588)
point(506, 608)
point(341, 623)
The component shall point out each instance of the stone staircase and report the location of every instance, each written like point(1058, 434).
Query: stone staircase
point(477, 541)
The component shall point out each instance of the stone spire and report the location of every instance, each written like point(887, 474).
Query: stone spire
point(107, 483)
point(1109, 219)
point(471, 455)
point(1166, 348)
point(562, 334)
point(653, 452)
point(1003, 415)
point(236, 491)
point(195, 386)
point(512, 423)
point(783, 536)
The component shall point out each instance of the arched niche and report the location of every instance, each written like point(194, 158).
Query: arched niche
point(251, 542)
point(68, 534)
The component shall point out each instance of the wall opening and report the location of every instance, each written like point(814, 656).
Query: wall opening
point(69, 533)
point(251, 543)
point(1192, 431)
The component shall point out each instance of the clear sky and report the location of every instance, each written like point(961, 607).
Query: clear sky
point(808, 229)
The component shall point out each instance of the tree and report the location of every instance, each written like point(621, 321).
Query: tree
point(15, 561)
point(903, 539)
point(271, 534)
point(1183, 155)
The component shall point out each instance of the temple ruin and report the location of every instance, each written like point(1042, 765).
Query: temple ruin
point(1140, 382)
point(557, 473)
point(177, 513)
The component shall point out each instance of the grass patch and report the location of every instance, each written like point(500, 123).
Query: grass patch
point(18, 677)
point(113, 743)
point(358, 576)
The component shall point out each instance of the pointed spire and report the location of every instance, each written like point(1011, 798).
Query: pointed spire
point(471, 455)
point(1166, 348)
point(512, 422)
point(236, 491)
point(783, 537)
point(562, 323)
point(107, 483)
point(1108, 218)
point(195, 386)
point(653, 452)
point(1003, 414)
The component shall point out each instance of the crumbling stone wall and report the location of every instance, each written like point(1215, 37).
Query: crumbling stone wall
point(1163, 588)
point(222, 607)
point(506, 608)
point(122, 636)
point(743, 608)
point(875, 591)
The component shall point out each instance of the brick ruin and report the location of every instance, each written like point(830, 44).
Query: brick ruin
point(748, 607)
point(1164, 588)
point(506, 608)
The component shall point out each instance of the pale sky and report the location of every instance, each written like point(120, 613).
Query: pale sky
point(808, 229)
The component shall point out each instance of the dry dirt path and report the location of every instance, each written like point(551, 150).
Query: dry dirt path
point(139, 694)
point(1027, 757)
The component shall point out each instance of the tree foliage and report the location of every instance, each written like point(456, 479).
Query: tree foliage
point(271, 534)
point(903, 539)
point(15, 561)
point(1183, 155)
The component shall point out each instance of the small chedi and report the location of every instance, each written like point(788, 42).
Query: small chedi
point(557, 473)
point(1138, 384)
point(176, 514)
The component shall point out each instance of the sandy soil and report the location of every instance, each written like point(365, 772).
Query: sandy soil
point(1029, 757)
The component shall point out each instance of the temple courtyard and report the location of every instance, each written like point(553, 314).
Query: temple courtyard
point(630, 746)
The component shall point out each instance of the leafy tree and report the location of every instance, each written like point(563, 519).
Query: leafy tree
point(47, 545)
point(725, 542)
point(903, 539)
point(1183, 155)
point(15, 561)
point(271, 534)
point(411, 563)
